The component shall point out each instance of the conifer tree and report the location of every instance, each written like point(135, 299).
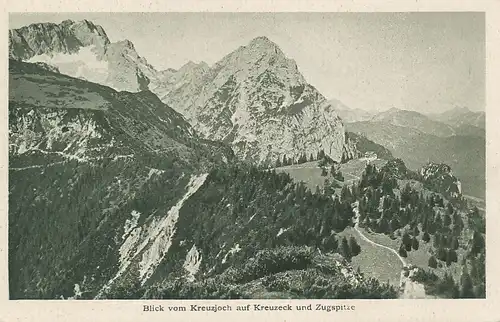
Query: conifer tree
point(426, 237)
point(473, 270)
point(416, 232)
point(446, 220)
point(383, 226)
point(331, 243)
point(354, 247)
point(432, 262)
point(454, 243)
point(449, 208)
point(466, 287)
point(414, 243)
point(441, 254)
point(448, 258)
point(453, 255)
point(394, 224)
point(402, 251)
point(344, 249)
point(406, 239)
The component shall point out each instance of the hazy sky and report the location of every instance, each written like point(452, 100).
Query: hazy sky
point(427, 62)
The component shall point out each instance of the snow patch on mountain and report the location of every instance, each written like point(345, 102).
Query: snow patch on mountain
point(83, 64)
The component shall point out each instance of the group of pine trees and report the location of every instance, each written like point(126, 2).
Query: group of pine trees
point(334, 171)
point(303, 158)
point(350, 248)
point(408, 243)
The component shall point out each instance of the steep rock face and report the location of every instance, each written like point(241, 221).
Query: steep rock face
point(127, 70)
point(257, 100)
point(182, 86)
point(74, 107)
point(82, 49)
point(350, 150)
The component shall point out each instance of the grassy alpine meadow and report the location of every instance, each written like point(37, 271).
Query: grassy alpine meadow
point(375, 261)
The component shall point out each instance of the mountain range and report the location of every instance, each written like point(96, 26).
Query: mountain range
point(254, 99)
point(461, 116)
point(129, 182)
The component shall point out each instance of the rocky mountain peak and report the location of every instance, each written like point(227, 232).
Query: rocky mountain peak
point(125, 44)
point(262, 42)
point(50, 38)
point(256, 99)
point(263, 47)
point(258, 55)
point(190, 66)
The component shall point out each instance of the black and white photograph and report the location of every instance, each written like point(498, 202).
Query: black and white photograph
point(235, 155)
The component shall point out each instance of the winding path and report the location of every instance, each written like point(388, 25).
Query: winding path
point(408, 288)
point(356, 224)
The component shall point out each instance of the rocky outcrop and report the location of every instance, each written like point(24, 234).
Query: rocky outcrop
point(441, 179)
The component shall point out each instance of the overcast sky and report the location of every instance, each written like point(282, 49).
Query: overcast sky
point(428, 62)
